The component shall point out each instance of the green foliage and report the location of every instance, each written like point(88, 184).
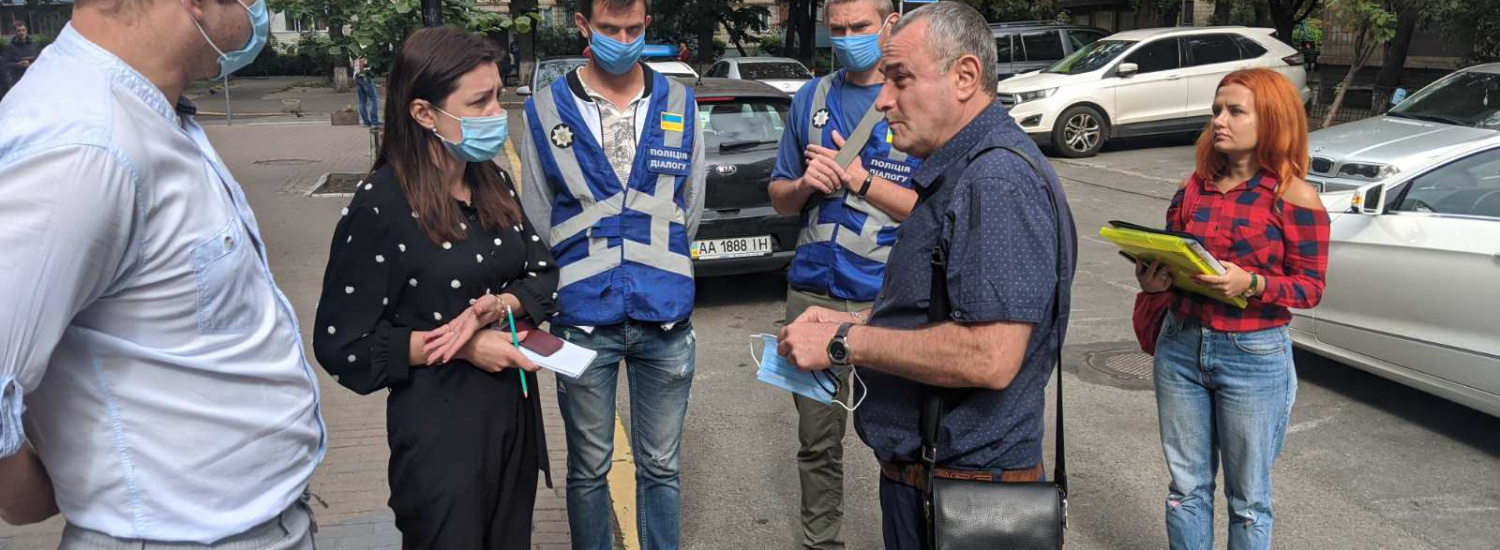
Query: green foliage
point(379, 26)
point(1017, 10)
point(1374, 19)
point(558, 40)
point(1310, 31)
point(1470, 20)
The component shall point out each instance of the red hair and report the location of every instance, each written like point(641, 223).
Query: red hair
point(1281, 129)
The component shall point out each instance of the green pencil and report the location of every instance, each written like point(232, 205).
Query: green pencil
point(525, 393)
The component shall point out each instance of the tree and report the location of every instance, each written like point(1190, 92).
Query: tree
point(333, 13)
point(1223, 9)
point(1286, 14)
point(1471, 20)
point(1371, 23)
point(700, 19)
point(379, 26)
point(1409, 14)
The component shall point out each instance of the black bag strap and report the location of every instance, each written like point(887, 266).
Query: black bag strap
point(938, 308)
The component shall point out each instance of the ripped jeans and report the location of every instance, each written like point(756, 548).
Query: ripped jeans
point(1222, 395)
point(660, 364)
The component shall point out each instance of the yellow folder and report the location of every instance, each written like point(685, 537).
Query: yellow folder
point(1184, 256)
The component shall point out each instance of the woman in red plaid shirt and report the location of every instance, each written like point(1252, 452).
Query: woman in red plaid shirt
point(1224, 376)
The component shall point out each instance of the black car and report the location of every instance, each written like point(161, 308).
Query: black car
point(1025, 46)
point(742, 121)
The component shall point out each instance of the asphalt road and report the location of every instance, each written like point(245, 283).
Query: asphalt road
point(1367, 464)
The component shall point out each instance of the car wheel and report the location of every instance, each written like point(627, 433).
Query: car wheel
point(1079, 132)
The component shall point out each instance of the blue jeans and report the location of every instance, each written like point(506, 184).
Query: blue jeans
point(369, 102)
point(1222, 396)
point(660, 364)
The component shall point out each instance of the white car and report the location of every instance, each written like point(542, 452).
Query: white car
point(782, 73)
point(673, 68)
point(1141, 82)
point(1413, 284)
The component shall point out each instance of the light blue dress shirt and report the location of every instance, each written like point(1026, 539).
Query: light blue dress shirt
point(160, 368)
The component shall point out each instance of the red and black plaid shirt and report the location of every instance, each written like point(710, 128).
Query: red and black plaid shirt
point(1283, 243)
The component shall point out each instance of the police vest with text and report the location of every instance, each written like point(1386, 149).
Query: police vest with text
point(845, 241)
point(621, 247)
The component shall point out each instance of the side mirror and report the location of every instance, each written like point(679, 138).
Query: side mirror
point(1127, 70)
point(523, 91)
point(1369, 200)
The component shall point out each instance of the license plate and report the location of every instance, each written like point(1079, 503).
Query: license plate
point(743, 247)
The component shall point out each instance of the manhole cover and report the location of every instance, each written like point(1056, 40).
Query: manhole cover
point(286, 162)
point(338, 183)
point(1122, 364)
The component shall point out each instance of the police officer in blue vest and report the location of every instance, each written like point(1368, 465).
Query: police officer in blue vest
point(613, 177)
point(849, 219)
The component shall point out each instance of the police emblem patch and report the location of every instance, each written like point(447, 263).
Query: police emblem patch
point(562, 136)
point(820, 118)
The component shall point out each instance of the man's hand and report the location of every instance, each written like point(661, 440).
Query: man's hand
point(25, 490)
point(818, 314)
point(806, 344)
point(856, 170)
point(823, 173)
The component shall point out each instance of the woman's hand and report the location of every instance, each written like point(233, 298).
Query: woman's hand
point(443, 344)
point(1232, 283)
point(1153, 277)
point(491, 351)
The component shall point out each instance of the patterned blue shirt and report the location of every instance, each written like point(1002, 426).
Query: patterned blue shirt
point(992, 213)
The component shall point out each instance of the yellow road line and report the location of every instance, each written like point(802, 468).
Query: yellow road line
point(622, 486)
point(515, 163)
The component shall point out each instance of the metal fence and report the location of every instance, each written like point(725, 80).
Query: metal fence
point(1361, 102)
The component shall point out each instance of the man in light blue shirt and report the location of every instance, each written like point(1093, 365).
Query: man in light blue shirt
point(160, 371)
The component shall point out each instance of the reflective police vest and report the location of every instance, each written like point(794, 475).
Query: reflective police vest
point(621, 247)
point(845, 240)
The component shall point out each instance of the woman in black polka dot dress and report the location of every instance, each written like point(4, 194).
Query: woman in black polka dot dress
point(433, 247)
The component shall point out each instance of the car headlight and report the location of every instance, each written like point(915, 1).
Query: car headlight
point(1023, 97)
point(1366, 171)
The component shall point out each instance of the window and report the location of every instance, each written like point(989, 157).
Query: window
point(1469, 98)
point(1091, 57)
point(1043, 46)
point(1207, 49)
point(1161, 55)
point(772, 71)
point(304, 24)
point(742, 123)
point(1249, 49)
point(1079, 39)
point(1468, 187)
point(719, 70)
point(1002, 49)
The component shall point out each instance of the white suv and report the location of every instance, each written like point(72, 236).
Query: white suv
point(1141, 82)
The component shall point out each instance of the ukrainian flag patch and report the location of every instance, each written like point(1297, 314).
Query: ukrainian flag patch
point(671, 122)
point(889, 136)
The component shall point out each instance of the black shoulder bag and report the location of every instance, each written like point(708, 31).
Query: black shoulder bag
point(975, 515)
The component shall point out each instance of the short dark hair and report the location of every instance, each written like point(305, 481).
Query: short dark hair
point(16, 24)
point(586, 7)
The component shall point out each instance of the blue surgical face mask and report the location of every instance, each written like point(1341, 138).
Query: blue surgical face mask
point(614, 56)
point(820, 386)
point(260, 29)
point(483, 136)
point(858, 53)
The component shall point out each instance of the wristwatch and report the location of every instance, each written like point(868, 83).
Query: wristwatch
point(865, 188)
point(838, 349)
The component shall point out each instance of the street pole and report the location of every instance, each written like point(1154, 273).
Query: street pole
point(228, 111)
point(432, 13)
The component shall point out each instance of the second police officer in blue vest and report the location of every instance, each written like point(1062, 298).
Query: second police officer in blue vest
point(849, 221)
point(613, 177)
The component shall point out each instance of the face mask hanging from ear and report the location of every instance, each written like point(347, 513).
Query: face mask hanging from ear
point(820, 386)
point(260, 30)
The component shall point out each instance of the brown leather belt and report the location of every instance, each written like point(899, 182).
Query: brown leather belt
point(913, 475)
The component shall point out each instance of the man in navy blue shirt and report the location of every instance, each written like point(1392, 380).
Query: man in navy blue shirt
point(995, 218)
point(849, 219)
